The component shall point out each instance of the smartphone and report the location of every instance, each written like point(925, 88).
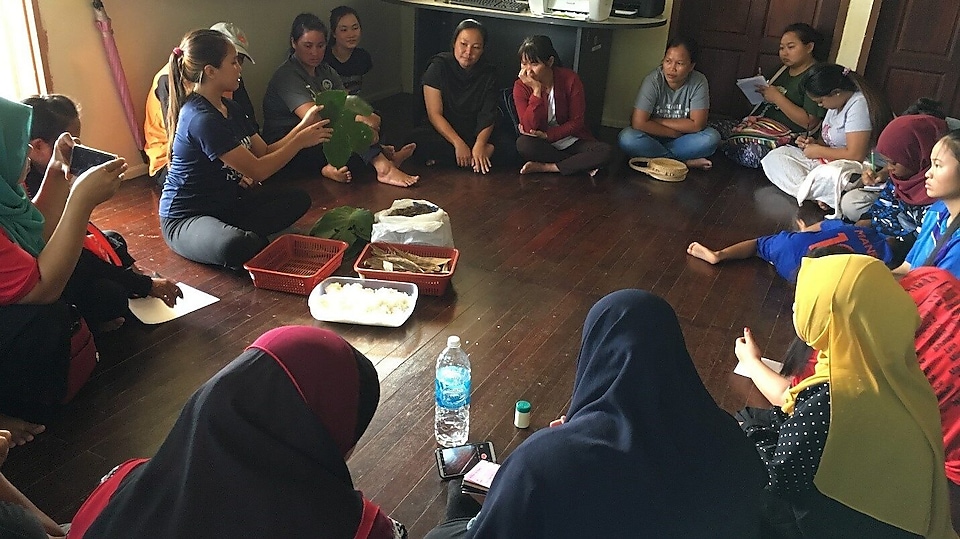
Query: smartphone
point(457, 461)
point(85, 157)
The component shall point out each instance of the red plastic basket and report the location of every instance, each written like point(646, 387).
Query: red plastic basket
point(295, 263)
point(431, 284)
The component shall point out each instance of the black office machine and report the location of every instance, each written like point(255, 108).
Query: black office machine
point(638, 8)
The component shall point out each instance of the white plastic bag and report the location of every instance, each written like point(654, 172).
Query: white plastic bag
point(427, 229)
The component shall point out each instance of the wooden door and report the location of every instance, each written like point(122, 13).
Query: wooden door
point(737, 37)
point(916, 53)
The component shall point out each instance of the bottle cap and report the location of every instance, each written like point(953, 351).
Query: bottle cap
point(523, 407)
point(453, 341)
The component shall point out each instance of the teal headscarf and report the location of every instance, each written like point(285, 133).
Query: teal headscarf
point(21, 220)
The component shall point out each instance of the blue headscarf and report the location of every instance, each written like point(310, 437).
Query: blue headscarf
point(21, 220)
point(645, 450)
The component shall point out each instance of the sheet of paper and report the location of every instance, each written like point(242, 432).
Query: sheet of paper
point(155, 311)
point(775, 365)
point(749, 88)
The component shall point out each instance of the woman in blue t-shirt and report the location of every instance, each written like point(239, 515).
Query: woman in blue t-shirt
point(938, 243)
point(213, 209)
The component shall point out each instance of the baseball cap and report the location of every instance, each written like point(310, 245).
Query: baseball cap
point(236, 35)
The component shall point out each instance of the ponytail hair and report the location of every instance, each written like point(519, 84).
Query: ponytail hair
point(538, 49)
point(307, 22)
point(822, 80)
point(924, 105)
point(52, 116)
point(197, 50)
point(808, 35)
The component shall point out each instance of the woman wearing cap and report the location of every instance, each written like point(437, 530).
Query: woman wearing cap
point(259, 450)
point(155, 120)
point(289, 97)
point(551, 107)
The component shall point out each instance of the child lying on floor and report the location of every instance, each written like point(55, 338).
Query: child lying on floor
point(784, 250)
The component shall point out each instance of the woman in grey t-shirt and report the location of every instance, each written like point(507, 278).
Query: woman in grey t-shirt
point(670, 114)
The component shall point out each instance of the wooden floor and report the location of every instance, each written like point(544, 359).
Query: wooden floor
point(536, 253)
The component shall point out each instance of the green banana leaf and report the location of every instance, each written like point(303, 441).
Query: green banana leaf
point(348, 224)
point(349, 135)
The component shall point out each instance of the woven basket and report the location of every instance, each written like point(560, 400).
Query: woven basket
point(660, 168)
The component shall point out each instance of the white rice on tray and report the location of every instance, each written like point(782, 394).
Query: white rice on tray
point(355, 299)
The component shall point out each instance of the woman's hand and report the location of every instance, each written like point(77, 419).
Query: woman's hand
point(747, 350)
point(869, 177)
point(532, 133)
point(479, 158)
point(771, 94)
point(812, 150)
point(6, 440)
point(98, 184)
point(374, 122)
point(60, 158)
point(311, 117)
point(165, 290)
point(464, 154)
point(313, 134)
point(530, 82)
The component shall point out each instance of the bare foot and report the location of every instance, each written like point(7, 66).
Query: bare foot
point(701, 252)
point(395, 176)
point(342, 174)
point(20, 430)
point(397, 157)
point(111, 325)
point(488, 151)
point(701, 162)
point(531, 167)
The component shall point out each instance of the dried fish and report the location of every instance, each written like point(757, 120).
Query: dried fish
point(390, 259)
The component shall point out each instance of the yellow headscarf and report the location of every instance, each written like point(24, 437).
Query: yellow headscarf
point(884, 450)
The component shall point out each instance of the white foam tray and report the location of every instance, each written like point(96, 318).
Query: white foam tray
point(366, 319)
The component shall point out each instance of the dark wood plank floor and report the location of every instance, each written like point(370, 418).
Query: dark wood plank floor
point(536, 253)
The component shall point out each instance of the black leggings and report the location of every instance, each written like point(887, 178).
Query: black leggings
point(580, 156)
point(461, 508)
point(431, 146)
point(232, 238)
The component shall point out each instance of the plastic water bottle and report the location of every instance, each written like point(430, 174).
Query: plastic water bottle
point(452, 390)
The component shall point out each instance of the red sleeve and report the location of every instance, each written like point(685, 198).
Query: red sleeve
point(19, 271)
point(374, 524)
point(576, 108)
point(530, 108)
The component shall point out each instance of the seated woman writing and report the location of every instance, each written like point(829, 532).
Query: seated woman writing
point(289, 99)
point(786, 112)
point(643, 451)
point(258, 451)
point(832, 470)
point(460, 103)
point(670, 114)
point(855, 115)
point(551, 106)
point(40, 243)
point(213, 208)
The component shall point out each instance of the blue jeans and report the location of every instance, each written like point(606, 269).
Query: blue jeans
point(636, 143)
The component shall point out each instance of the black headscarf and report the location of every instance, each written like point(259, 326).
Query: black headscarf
point(644, 452)
point(258, 450)
point(469, 95)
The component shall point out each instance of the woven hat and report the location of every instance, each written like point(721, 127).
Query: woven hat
point(660, 168)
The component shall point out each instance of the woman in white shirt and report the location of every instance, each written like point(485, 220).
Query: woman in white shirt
point(855, 115)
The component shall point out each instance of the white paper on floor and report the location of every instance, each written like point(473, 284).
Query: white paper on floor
point(775, 365)
point(155, 311)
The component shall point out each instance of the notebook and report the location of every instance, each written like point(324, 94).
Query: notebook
point(480, 477)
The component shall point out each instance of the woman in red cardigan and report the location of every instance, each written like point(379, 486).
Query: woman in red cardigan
point(551, 105)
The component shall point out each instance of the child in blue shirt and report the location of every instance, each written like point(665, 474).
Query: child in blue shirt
point(786, 249)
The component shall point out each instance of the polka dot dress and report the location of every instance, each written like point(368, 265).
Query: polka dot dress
point(796, 456)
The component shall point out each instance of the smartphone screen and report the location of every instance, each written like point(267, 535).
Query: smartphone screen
point(84, 158)
point(457, 461)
